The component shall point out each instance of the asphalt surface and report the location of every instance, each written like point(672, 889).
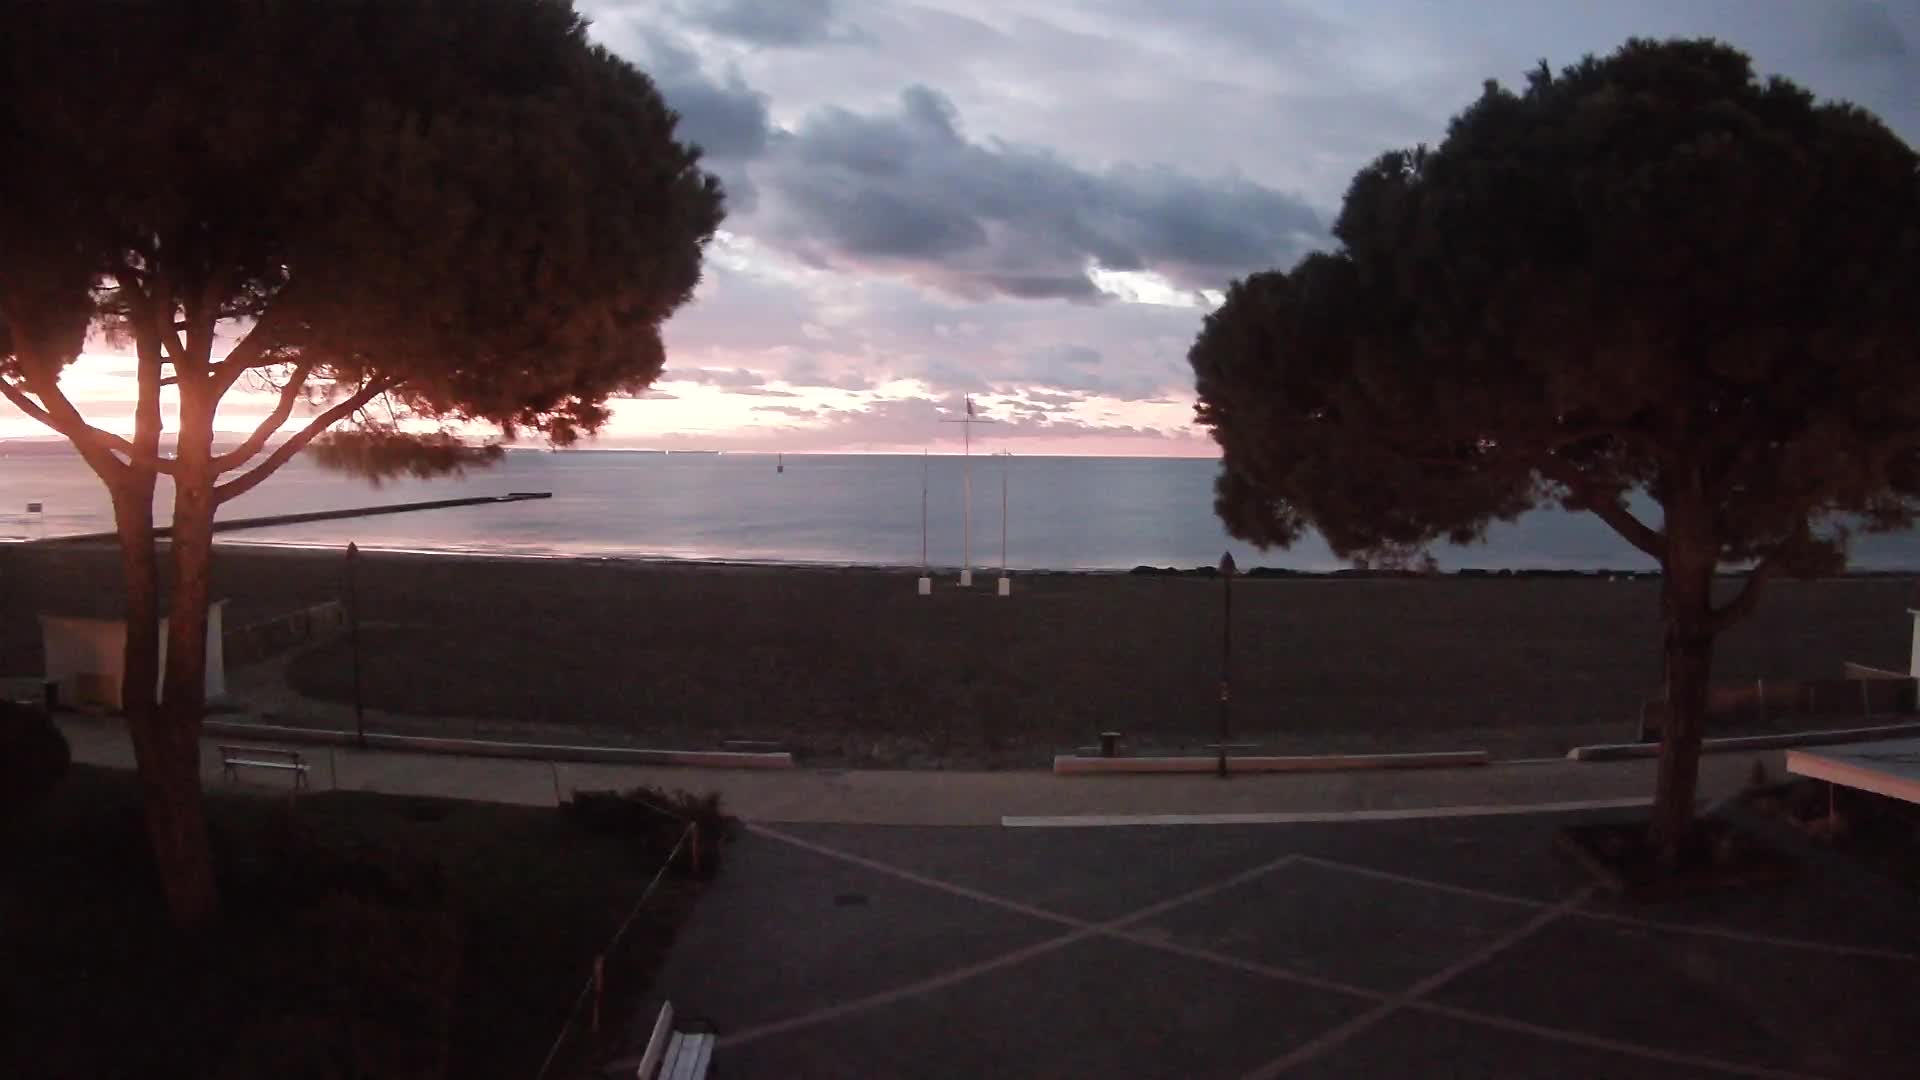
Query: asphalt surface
point(1444, 947)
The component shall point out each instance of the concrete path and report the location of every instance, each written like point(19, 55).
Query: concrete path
point(919, 797)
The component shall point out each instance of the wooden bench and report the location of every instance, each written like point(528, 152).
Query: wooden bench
point(234, 758)
point(675, 1055)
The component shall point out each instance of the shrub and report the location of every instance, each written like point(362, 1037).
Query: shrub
point(654, 818)
point(33, 758)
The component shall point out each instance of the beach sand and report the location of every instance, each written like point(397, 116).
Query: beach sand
point(850, 667)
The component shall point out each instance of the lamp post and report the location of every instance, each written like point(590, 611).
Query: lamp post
point(1226, 659)
point(353, 645)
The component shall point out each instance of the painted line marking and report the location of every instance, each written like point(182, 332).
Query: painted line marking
point(1601, 1042)
point(1722, 933)
point(1344, 1032)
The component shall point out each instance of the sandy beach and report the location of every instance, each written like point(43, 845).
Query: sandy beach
point(850, 667)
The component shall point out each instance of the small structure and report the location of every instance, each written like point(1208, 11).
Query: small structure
point(86, 656)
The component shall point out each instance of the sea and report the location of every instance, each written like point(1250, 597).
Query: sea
point(1028, 513)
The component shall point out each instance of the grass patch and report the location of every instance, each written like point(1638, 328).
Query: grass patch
point(94, 983)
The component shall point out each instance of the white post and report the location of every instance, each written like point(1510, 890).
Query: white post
point(926, 572)
point(966, 487)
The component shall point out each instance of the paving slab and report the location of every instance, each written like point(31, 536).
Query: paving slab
point(1415, 1044)
point(1096, 1008)
point(1089, 874)
point(1797, 1010)
point(1324, 922)
point(784, 931)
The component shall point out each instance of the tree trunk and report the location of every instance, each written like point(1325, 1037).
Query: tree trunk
point(192, 893)
point(1687, 594)
point(168, 759)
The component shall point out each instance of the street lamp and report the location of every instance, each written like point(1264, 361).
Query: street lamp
point(1226, 660)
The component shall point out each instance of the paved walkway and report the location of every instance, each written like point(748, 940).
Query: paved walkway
point(920, 797)
point(1448, 947)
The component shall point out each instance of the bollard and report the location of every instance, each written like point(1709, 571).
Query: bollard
point(1109, 743)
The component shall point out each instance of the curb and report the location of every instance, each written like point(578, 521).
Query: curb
point(1076, 765)
point(1628, 751)
point(423, 744)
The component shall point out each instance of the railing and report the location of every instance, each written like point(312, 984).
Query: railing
point(582, 1032)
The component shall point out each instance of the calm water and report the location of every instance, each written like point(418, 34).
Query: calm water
point(1063, 513)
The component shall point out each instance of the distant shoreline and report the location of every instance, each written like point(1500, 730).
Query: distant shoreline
point(985, 572)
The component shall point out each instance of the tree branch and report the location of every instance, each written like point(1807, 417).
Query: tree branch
point(245, 356)
point(59, 414)
point(109, 468)
point(250, 479)
point(1743, 602)
point(1607, 508)
point(282, 409)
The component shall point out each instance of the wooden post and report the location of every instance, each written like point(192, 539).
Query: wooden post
point(693, 835)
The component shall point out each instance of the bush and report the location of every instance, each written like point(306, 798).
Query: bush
point(655, 817)
point(33, 758)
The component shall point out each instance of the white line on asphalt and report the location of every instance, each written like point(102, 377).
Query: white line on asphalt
point(1598, 1042)
point(1311, 817)
point(1341, 1033)
point(1624, 920)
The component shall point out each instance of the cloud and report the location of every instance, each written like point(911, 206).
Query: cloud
point(763, 22)
point(725, 117)
point(908, 192)
point(1862, 32)
point(797, 411)
point(738, 377)
point(761, 391)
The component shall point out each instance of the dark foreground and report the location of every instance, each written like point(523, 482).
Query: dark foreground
point(363, 935)
point(1439, 948)
point(850, 667)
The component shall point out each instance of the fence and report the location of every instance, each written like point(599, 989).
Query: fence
point(586, 1032)
point(1766, 700)
point(248, 644)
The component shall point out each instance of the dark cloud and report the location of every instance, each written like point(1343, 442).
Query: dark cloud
point(908, 191)
point(763, 22)
point(724, 116)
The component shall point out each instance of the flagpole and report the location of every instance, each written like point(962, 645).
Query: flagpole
point(926, 568)
point(966, 484)
point(966, 487)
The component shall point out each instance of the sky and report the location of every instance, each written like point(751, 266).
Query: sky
point(1035, 203)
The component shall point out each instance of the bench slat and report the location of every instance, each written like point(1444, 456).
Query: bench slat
point(656, 1044)
point(670, 1064)
point(702, 1057)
